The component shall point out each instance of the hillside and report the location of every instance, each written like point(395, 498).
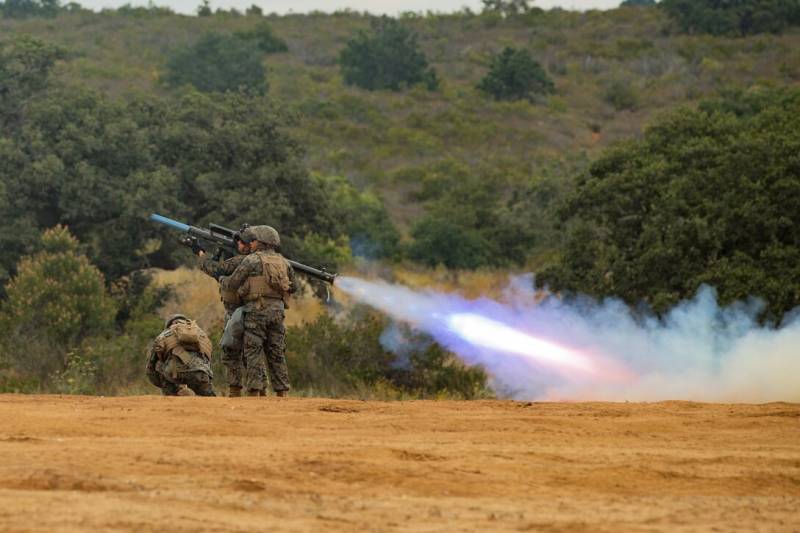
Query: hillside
point(398, 142)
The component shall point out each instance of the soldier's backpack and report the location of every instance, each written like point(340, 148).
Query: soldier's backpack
point(187, 337)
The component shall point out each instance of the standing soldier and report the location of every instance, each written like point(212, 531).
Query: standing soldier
point(264, 281)
point(181, 355)
point(231, 342)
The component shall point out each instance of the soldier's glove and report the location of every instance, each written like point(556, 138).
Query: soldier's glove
point(194, 244)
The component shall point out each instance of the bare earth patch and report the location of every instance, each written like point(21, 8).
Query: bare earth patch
point(196, 464)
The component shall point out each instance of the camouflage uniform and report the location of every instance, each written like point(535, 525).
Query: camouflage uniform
point(264, 332)
point(169, 368)
point(232, 343)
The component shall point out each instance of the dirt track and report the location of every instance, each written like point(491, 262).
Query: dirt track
point(194, 464)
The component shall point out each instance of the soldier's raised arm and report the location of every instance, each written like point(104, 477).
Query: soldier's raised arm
point(240, 275)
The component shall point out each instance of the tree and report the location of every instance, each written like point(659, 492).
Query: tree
point(507, 7)
point(264, 39)
point(515, 75)
point(638, 3)
point(740, 17)
point(707, 196)
point(204, 9)
point(218, 63)
point(25, 64)
point(58, 298)
point(387, 57)
point(254, 11)
point(20, 9)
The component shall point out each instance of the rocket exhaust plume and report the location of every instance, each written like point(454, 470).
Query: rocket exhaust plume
point(587, 350)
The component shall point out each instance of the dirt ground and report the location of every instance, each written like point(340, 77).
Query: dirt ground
point(195, 464)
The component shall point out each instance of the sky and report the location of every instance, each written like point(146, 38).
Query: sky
point(391, 7)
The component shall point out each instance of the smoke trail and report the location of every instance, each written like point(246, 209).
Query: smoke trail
point(598, 350)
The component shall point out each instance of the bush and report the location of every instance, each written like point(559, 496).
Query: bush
point(364, 219)
point(622, 96)
point(515, 75)
point(219, 63)
point(348, 356)
point(20, 9)
point(742, 17)
point(57, 299)
point(441, 241)
point(387, 57)
point(264, 39)
point(707, 196)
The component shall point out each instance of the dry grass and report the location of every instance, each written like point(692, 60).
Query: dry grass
point(197, 296)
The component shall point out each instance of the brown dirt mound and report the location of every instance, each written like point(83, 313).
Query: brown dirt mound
point(197, 464)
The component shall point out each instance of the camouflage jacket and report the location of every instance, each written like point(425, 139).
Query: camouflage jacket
point(161, 361)
point(252, 266)
point(216, 268)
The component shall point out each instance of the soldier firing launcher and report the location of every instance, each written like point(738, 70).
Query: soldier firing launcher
point(225, 239)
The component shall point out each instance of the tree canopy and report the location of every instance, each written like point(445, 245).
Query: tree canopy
point(218, 63)
point(386, 57)
point(709, 195)
point(515, 75)
point(737, 17)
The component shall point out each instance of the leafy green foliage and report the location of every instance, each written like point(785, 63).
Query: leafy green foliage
point(621, 95)
point(264, 38)
point(638, 3)
point(387, 57)
point(204, 9)
point(364, 219)
point(219, 63)
point(515, 75)
point(707, 196)
point(102, 166)
point(508, 8)
point(20, 9)
point(57, 299)
point(474, 217)
point(345, 357)
point(740, 17)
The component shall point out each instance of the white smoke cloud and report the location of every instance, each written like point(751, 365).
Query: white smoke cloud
point(698, 351)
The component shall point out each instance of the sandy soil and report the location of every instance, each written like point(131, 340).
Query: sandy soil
point(194, 464)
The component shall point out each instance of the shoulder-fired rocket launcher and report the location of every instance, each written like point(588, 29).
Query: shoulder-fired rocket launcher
point(224, 238)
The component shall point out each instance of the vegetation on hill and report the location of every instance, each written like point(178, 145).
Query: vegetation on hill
point(708, 195)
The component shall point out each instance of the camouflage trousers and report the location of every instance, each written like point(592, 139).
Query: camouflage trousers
point(199, 382)
point(232, 345)
point(265, 344)
point(172, 373)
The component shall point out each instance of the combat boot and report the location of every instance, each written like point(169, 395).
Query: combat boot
point(262, 392)
point(253, 392)
point(281, 393)
point(234, 392)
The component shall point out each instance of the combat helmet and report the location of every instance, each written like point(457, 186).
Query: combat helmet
point(173, 318)
point(266, 234)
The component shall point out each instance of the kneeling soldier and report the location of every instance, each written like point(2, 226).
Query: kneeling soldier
point(181, 355)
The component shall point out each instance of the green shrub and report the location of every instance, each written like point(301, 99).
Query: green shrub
point(387, 57)
point(706, 196)
point(441, 241)
point(20, 9)
point(204, 9)
point(57, 299)
point(347, 356)
point(264, 38)
point(515, 75)
point(740, 17)
point(218, 63)
point(621, 95)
